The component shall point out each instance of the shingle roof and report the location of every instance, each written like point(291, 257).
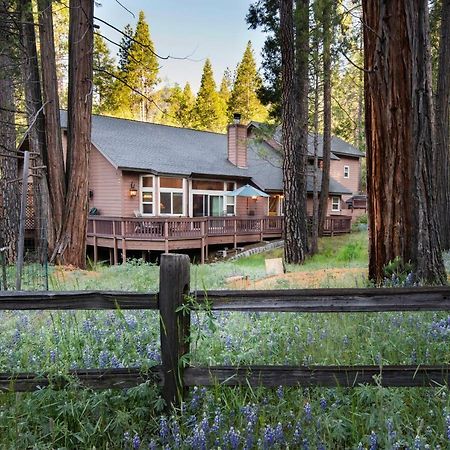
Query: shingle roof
point(338, 146)
point(129, 144)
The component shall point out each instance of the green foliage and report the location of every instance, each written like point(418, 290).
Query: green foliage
point(104, 70)
point(139, 75)
point(243, 97)
point(208, 113)
point(398, 271)
point(180, 106)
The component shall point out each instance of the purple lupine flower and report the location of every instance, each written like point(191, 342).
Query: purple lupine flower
point(250, 437)
point(52, 356)
point(198, 439)
point(308, 413)
point(268, 437)
point(297, 433)
point(250, 413)
point(152, 445)
point(216, 422)
point(233, 438)
point(390, 429)
point(345, 340)
point(163, 429)
point(126, 436)
point(323, 403)
point(103, 359)
point(321, 446)
point(447, 422)
point(373, 441)
point(136, 442)
point(360, 446)
point(279, 434)
point(305, 444)
point(280, 392)
point(417, 443)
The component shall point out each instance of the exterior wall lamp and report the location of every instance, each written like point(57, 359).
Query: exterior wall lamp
point(133, 190)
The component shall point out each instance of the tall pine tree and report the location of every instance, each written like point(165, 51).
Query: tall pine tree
point(104, 70)
point(140, 72)
point(207, 111)
point(244, 99)
point(180, 107)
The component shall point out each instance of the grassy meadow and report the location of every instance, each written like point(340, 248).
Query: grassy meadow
point(222, 417)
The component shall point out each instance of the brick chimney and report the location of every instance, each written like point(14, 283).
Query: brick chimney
point(237, 142)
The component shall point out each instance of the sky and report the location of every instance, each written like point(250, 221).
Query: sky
point(197, 29)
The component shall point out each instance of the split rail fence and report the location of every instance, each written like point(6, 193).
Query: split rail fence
point(174, 333)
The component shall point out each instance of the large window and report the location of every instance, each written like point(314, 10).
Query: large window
point(211, 198)
point(171, 196)
point(147, 204)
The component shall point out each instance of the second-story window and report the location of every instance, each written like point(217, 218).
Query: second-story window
point(346, 172)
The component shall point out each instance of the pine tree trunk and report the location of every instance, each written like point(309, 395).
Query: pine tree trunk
point(326, 149)
point(302, 81)
point(72, 244)
point(9, 218)
point(294, 244)
point(442, 141)
point(315, 213)
point(399, 125)
point(36, 123)
point(53, 157)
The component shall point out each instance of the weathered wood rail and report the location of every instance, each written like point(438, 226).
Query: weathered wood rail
point(174, 333)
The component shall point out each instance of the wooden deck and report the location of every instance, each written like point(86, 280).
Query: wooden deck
point(169, 234)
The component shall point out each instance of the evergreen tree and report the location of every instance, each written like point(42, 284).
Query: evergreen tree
point(124, 48)
point(104, 69)
point(244, 97)
point(141, 71)
point(224, 97)
point(207, 111)
point(180, 107)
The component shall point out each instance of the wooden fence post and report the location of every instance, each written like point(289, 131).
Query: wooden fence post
point(174, 325)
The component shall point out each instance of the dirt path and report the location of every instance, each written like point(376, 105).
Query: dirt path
point(311, 279)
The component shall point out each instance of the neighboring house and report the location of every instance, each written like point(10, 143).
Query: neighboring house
point(157, 187)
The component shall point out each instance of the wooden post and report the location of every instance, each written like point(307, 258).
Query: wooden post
point(261, 230)
point(124, 244)
point(116, 259)
point(23, 212)
point(94, 229)
point(202, 232)
point(174, 325)
point(166, 237)
point(235, 233)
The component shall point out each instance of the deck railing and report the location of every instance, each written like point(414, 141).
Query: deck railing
point(160, 228)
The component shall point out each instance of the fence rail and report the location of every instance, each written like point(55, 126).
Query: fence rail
point(174, 334)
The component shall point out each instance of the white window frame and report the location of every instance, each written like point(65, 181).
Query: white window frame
point(172, 191)
point(333, 204)
point(346, 171)
point(143, 189)
point(224, 193)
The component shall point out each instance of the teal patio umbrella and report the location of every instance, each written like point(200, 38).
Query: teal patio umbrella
point(248, 191)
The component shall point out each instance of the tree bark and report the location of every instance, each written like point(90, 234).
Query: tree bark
point(294, 244)
point(53, 156)
point(36, 124)
point(72, 244)
point(399, 126)
point(442, 129)
point(302, 117)
point(326, 148)
point(9, 219)
point(315, 214)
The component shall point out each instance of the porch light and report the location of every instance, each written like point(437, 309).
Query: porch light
point(133, 190)
point(254, 197)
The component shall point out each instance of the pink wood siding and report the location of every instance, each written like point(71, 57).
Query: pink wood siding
point(256, 207)
point(309, 207)
point(105, 183)
point(129, 204)
point(337, 172)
